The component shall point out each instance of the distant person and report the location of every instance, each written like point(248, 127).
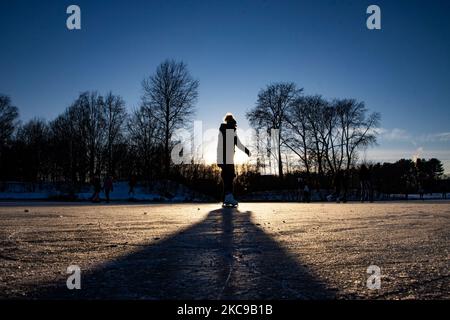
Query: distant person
point(300, 190)
point(306, 194)
point(444, 190)
point(108, 187)
point(345, 175)
point(227, 142)
point(132, 185)
point(421, 192)
point(371, 183)
point(96, 183)
point(338, 184)
point(364, 180)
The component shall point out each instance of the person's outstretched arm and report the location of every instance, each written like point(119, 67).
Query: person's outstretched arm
point(241, 146)
point(220, 152)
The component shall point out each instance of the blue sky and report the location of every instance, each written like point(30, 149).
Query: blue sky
point(234, 48)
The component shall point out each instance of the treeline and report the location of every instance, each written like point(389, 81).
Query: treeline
point(95, 136)
point(325, 136)
point(407, 176)
point(324, 139)
point(382, 180)
point(298, 135)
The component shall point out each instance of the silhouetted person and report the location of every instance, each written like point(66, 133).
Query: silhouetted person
point(340, 186)
point(96, 183)
point(301, 188)
point(227, 142)
point(132, 184)
point(444, 189)
point(421, 191)
point(364, 180)
point(306, 194)
point(345, 176)
point(371, 183)
point(108, 187)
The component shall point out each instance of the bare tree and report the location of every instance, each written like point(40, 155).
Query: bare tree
point(8, 123)
point(270, 112)
point(331, 139)
point(144, 135)
point(32, 144)
point(81, 130)
point(87, 115)
point(315, 119)
point(356, 127)
point(170, 94)
point(327, 136)
point(298, 128)
point(115, 118)
point(8, 118)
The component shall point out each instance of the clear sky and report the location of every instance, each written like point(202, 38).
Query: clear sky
point(234, 48)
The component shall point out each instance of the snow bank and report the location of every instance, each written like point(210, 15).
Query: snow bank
point(163, 191)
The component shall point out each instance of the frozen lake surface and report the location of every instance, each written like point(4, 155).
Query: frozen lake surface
point(201, 251)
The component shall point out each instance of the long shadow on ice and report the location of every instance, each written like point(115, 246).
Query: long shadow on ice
point(225, 256)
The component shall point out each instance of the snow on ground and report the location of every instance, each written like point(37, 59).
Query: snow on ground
point(25, 195)
point(201, 251)
point(120, 192)
point(179, 193)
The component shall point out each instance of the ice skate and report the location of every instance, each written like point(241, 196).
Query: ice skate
point(229, 201)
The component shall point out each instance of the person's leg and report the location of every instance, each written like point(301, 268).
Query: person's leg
point(344, 196)
point(224, 184)
point(338, 193)
point(227, 178)
point(362, 190)
point(368, 190)
point(371, 192)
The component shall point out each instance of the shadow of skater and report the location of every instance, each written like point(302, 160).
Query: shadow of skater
point(225, 256)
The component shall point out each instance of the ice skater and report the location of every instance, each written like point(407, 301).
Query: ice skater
point(364, 180)
point(444, 189)
point(96, 183)
point(227, 142)
point(108, 187)
point(131, 184)
point(306, 194)
point(300, 189)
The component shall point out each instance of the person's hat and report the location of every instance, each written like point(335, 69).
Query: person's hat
point(229, 119)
